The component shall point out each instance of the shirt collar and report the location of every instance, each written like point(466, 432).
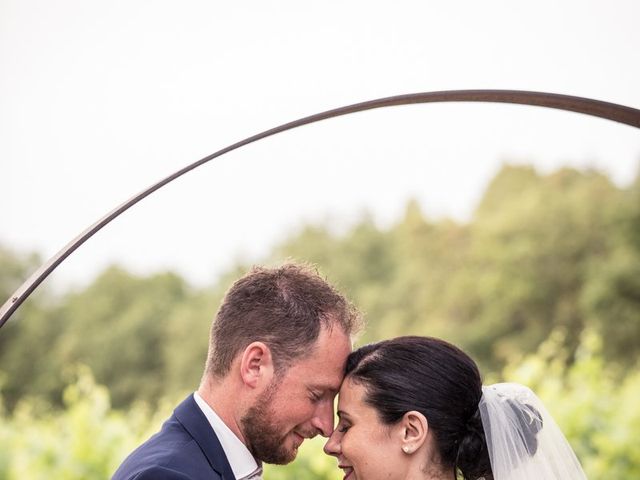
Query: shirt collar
point(241, 461)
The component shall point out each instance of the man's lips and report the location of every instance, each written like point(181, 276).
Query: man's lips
point(298, 439)
point(304, 435)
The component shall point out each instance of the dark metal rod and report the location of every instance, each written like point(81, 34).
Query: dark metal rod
point(611, 111)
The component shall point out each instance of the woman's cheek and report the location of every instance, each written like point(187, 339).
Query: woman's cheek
point(352, 446)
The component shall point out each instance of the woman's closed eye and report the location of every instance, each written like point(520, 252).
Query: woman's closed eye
point(343, 427)
point(315, 396)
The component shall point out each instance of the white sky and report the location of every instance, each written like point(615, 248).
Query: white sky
point(99, 99)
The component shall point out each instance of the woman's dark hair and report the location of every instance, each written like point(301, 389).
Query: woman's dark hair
point(436, 379)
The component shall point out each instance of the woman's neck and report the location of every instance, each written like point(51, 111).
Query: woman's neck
point(430, 472)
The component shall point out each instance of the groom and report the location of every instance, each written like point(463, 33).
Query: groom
point(277, 353)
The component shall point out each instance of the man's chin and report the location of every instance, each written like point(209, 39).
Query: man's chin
point(289, 448)
point(283, 457)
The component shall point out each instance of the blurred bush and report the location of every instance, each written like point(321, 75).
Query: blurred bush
point(540, 286)
point(599, 414)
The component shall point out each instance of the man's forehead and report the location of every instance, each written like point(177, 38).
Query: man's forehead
point(330, 385)
point(320, 371)
point(324, 365)
point(319, 374)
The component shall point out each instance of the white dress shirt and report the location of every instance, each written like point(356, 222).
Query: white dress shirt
point(242, 462)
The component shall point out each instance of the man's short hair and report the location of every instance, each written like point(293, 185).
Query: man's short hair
point(284, 307)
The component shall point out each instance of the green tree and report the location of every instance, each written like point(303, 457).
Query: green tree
point(118, 327)
point(612, 295)
point(186, 339)
point(27, 335)
point(534, 239)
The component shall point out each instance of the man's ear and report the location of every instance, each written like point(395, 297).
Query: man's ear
point(256, 365)
point(413, 431)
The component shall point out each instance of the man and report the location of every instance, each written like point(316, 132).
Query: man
point(277, 353)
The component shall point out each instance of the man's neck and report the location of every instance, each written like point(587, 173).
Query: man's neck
point(221, 396)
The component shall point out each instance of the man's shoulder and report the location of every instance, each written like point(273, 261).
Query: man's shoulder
point(170, 453)
point(160, 473)
point(166, 455)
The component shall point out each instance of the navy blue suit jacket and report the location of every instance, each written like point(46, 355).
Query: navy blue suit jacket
point(185, 448)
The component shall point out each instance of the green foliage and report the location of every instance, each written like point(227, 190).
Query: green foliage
point(595, 407)
point(531, 253)
point(122, 326)
point(30, 329)
point(85, 440)
point(612, 297)
point(130, 341)
point(598, 413)
point(540, 252)
point(542, 285)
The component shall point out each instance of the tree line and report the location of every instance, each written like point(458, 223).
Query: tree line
point(543, 253)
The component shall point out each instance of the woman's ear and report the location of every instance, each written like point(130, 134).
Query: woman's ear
point(414, 429)
point(256, 365)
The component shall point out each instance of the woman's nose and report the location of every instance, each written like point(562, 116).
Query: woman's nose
point(332, 447)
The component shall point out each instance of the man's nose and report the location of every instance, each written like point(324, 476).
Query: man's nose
point(323, 419)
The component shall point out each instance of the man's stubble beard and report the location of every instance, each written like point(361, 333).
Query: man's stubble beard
point(264, 439)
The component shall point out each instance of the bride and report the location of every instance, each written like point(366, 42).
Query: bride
point(415, 408)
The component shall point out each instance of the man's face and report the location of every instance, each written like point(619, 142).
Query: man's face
point(299, 404)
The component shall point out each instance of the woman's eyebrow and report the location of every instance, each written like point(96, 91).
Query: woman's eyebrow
point(342, 414)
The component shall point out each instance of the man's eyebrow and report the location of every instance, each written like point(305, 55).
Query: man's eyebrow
point(326, 388)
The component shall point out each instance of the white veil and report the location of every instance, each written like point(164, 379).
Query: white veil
point(523, 440)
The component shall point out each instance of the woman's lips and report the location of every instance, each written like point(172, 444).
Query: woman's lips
point(347, 471)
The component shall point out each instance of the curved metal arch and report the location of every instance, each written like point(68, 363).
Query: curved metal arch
point(611, 111)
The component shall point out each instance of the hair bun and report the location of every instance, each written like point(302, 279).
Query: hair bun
point(473, 456)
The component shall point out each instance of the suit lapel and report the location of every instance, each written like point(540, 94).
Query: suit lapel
point(193, 420)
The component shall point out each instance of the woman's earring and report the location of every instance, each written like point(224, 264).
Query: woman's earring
point(406, 449)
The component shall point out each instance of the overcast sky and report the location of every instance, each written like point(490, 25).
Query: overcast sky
point(99, 99)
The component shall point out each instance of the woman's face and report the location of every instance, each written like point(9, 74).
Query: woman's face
point(366, 449)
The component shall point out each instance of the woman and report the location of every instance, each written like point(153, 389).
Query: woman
point(415, 408)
